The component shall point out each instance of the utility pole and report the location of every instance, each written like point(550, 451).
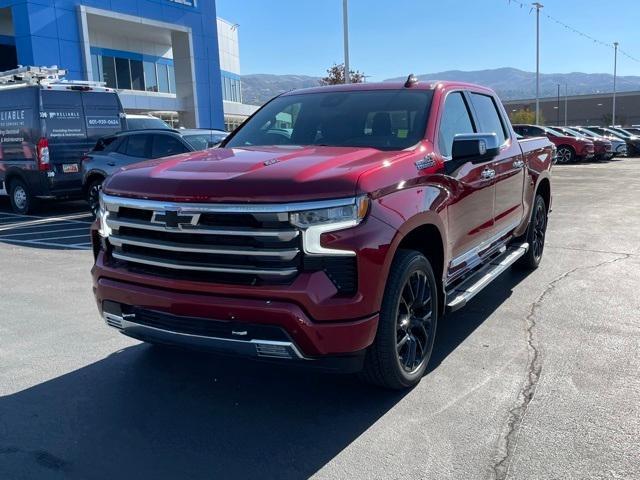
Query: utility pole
point(615, 74)
point(345, 22)
point(566, 103)
point(558, 107)
point(537, 6)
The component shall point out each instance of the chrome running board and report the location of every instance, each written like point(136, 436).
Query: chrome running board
point(460, 295)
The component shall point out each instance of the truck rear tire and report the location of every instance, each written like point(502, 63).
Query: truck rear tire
point(404, 341)
point(22, 201)
point(535, 236)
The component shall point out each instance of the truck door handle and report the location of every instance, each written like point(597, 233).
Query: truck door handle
point(518, 164)
point(488, 173)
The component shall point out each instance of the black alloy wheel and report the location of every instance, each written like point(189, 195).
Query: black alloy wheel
point(535, 236)
point(414, 324)
point(407, 325)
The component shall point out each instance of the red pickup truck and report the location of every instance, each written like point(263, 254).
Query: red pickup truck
point(333, 229)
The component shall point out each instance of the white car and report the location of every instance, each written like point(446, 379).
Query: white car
point(619, 146)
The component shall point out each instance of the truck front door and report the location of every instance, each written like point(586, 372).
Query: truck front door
point(509, 165)
point(470, 212)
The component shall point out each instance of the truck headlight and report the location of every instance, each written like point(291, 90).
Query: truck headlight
point(103, 214)
point(329, 218)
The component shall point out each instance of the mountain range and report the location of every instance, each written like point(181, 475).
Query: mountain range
point(509, 83)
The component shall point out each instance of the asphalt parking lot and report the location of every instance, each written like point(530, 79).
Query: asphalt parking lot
point(538, 378)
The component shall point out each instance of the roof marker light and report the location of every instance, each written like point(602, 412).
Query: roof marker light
point(411, 81)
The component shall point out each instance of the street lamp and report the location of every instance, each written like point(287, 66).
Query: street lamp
point(537, 6)
point(615, 74)
point(345, 22)
point(558, 108)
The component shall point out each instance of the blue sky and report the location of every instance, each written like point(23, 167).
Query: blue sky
point(390, 38)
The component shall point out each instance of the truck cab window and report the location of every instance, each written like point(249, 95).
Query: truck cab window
point(488, 117)
point(455, 120)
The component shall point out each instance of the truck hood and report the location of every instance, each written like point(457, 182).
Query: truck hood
point(255, 174)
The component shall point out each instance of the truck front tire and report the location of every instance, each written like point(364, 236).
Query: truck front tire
point(400, 353)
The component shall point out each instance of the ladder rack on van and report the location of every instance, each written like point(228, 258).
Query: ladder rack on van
point(50, 77)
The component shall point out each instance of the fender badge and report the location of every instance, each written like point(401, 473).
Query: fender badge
point(271, 161)
point(426, 162)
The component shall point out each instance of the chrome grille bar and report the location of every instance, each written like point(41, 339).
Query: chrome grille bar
point(176, 265)
point(119, 241)
point(284, 235)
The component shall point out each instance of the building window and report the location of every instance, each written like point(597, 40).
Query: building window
point(133, 74)
point(137, 75)
point(231, 89)
point(163, 78)
point(150, 77)
point(123, 73)
point(172, 79)
point(109, 71)
point(96, 66)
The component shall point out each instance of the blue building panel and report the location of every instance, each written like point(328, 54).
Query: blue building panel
point(48, 32)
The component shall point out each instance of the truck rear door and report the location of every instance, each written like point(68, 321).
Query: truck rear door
point(509, 165)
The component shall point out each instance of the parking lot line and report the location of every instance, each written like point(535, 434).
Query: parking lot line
point(41, 222)
point(46, 244)
point(62, 238)
point(5, 235)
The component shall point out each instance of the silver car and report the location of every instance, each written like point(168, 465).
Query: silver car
point(125, 148)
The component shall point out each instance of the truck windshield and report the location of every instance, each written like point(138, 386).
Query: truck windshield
point(381, 119)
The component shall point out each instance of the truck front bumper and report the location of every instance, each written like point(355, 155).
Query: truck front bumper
point(266, 330)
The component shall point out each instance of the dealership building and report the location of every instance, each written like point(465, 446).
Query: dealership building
point(594, 109)
point(167, 57)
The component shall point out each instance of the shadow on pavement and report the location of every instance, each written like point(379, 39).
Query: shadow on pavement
point(149, 412)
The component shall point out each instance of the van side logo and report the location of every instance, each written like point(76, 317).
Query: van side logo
point(173, 220)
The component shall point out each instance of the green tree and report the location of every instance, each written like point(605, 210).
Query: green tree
point(335, 75)
point(525, 115)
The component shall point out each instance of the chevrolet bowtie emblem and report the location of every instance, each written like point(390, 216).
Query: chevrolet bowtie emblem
point(173, 220)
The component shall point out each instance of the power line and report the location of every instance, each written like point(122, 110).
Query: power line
point(575, 30)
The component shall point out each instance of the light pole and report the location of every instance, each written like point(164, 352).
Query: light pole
point(566, 103)
point(558, 107)
point(615, 74)
point(345, 22)
point(537, 6)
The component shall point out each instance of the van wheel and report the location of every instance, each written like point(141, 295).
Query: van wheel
point(93, 195)
point(401, 350)
point(535, 236)
point(22, 201)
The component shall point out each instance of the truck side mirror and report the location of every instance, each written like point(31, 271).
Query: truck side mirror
point(475, 147)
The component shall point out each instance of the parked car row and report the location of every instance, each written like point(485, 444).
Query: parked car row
point(61, 139)
point(580, 143)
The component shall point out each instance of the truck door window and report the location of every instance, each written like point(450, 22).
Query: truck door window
point(488, 117)
point(455, 119)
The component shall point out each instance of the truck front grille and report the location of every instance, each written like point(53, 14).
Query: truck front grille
point(249, 244)
point(197, 242)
